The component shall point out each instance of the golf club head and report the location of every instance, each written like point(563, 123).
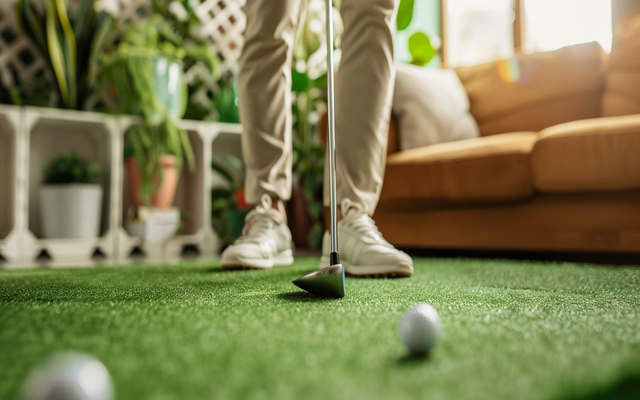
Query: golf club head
point(325, 282)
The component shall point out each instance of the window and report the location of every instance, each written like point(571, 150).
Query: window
point(479, 31)
point(551, 24)
point(476, 31)
point(426, 18)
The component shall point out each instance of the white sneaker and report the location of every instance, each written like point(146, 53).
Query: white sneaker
point(362, 249)
point(265, 243)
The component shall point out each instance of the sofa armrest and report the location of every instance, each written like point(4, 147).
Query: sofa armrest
point(597, 154)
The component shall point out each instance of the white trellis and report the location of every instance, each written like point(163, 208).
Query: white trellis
point(17, 54)
point(223, 21)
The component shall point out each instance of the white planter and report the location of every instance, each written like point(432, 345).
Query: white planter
point(70, 210)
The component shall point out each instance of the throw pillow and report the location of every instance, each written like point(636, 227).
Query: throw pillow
point(431, 107)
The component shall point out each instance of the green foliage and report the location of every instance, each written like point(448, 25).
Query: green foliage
point(205, 85)
point(156, 36)
point(69, 42)
point(419, 44)
point(224, 210)
point(129, 67)
point(405, 14)
point(71, 168)
point(231, 168)
point(151, 140)
point(308, 151)
point(421, 49)
point(158, 133)
point(35, 93)
point(226, 103)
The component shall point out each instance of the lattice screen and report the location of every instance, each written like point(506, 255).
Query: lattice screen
point(223, 22)
point(17, 54)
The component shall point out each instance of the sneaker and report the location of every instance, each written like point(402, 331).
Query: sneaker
point(363, 251)
point(265, 242)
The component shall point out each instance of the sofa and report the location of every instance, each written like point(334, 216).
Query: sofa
point(556, 166)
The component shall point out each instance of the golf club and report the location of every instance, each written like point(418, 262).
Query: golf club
point(328, 281)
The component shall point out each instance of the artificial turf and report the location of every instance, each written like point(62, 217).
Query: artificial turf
point(511, 330)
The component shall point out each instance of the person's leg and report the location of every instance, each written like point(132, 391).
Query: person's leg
point(364, 89)
point(264, 94)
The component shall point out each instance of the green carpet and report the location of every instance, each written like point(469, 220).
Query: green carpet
point(511, 330)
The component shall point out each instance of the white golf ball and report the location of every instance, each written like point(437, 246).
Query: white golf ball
point(420, 329)
point(69, 376)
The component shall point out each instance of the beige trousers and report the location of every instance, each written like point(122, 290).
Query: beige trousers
point(363, 97)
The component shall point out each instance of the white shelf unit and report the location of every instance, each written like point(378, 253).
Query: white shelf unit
point(9, 181)
point(30, 137)
point(193, 198)
point(49, 133)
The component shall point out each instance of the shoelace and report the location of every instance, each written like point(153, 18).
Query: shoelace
point(260, 221)
point(355, 218)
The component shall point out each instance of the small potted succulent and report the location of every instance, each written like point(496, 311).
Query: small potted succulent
point(71, 198)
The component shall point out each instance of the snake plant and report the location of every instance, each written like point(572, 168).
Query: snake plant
point(69, 41)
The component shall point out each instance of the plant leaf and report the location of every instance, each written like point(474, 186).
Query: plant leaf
point(405, 14)
point(32, 25)
point(219, 168)
point(55, 51)
point(71, 55)
point(105, 24)
point(421, 49)
point(234, 162)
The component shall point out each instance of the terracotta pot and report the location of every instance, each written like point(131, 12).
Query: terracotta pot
point(299, 219)
point(163, 197)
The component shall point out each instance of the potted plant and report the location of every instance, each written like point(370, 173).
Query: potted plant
point(71, 198)
point(144, 68)
point(205, 89)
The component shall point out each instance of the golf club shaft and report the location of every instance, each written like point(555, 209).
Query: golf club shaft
point(332, 133)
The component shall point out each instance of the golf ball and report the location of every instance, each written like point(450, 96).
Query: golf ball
point(68, 376)
point(420, 329)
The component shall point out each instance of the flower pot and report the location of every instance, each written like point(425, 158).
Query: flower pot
point(163, 197)
point(169, 86)
point(71, 210)
point(167, 80)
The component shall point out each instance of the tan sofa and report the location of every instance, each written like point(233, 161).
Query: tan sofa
point(557, 167)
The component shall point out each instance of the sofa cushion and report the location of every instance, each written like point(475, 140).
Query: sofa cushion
point(480, 170)
point(622, 89)
point(535, 91)
point(431, 107)
point(590, 155)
